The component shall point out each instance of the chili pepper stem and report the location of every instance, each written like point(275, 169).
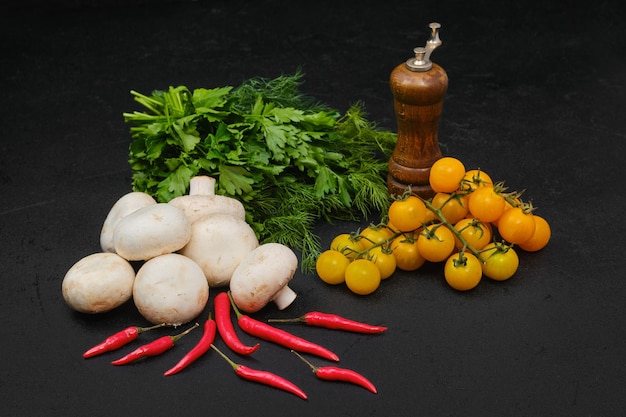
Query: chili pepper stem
point(300, 319)
point(234, 305)
point(233, 364)
point(156, 326)
point(313, 367)
point(179, 335)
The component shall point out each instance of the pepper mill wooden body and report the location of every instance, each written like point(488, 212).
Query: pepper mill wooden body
point(418, 87)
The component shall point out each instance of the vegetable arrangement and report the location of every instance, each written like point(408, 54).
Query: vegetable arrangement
point(226, 181)
point(174, 276)
point(290, 160)
point(472, 225)
point(184, 248)
point(223, 326)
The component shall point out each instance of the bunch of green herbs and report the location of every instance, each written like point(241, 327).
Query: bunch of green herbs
point(290, 160)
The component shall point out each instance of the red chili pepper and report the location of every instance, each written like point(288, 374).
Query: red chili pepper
point(333, 321)
point(272, 334)
point(154, 348)
point(225, 326)
point(200, 349)
point(334, 373)
point(263, 377)
point(117, 340)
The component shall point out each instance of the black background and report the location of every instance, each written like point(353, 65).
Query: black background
point(536, 98)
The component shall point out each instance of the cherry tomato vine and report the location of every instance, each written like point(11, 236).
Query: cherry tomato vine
point(472, 225)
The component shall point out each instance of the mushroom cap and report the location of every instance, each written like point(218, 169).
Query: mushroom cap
point(262, 275)
point(219, 242)
point(202, 200)
point(151, 231)
point(125, 205)
point(198, 206)
point(98, 283)
point(170, 289)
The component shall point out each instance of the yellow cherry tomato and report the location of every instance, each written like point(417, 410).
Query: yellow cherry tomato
point(463, 271)
point(500, 261)
point(476, 233)
point(486, 204)
point(407, 214)
point(408, 257)
point(384, 260)
point(331, 266)
point(347, 244)
point(453, 207)
point(446, 174)
point(436, 243)
point(475, 178)
point(540, 238)
point(374, 235)
point(516, 225)
point(362, 276)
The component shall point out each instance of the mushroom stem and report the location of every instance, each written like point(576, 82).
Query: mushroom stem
point(284, 297)
point(202, 185)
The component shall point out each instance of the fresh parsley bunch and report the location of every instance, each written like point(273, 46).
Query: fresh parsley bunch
point(289, 159)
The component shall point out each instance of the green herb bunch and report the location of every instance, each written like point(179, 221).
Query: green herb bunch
point(289, 159)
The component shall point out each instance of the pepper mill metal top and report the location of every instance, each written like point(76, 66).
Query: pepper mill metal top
point(421, 61)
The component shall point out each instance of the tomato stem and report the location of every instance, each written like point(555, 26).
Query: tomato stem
point(500, 247)
point(461, 259)
point(446, 223)
point(385, 244)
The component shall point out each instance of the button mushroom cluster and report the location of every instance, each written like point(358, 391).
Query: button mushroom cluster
point(183, 248)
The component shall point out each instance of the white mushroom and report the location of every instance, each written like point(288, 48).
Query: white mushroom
point(98, 283)
point(170, 289)
point(127, 204)
point(263, 276)
point(203, 201)
point(219, 242)
point(151, 231)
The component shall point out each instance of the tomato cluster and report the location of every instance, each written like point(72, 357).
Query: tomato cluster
point(471, 225)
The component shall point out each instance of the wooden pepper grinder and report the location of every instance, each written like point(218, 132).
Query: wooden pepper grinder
point(418, 86)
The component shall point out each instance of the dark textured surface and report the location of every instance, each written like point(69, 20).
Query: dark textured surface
point(536, 98)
